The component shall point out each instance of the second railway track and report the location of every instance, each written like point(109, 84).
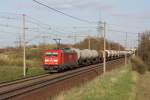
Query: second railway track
point(7, 83)
point(27, 88)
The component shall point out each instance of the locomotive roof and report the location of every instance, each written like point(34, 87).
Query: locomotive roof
point(66, 50)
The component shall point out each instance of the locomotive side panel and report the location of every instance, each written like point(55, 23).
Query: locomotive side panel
point(59, 59)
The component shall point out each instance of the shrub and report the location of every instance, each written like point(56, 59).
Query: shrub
point(144, 48)
point(138, 65)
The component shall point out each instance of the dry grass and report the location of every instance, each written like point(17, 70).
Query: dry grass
point(143, 89)
point(11, 62)
point(138, 65)
point(14, 58)
point(116, 85)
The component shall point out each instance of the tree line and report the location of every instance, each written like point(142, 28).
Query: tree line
point(97, 44)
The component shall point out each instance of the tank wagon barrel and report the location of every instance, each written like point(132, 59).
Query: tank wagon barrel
point(86, 56)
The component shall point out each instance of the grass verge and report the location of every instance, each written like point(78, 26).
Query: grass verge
point(118, 84)
point(142, 88)
point(9, 73)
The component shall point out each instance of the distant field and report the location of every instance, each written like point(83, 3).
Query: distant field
point(15, 58)
point(8, 73)
point(11, 63)
point(116, 85)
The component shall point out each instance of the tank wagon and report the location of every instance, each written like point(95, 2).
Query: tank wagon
point(67, 58)
point(87, 57)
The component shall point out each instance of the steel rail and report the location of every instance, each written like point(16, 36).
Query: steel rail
point(10, 93)
point(27, 88)
point(22, 80)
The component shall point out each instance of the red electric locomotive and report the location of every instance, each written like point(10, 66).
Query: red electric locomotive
point(58, 60)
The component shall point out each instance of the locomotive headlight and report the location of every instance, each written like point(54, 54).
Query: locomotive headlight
point(55, 60)
point(46, 60)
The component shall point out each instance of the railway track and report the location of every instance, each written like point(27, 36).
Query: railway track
point(2, 84)
point(27, 88)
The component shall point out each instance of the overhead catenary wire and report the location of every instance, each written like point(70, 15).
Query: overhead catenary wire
point(39, 30)
point(38, 22)
point(9, 32)
point(9, 26)
point(48, 28)
point(68, 15)
point(9, 18)
point(17, 14)
point(32, 29)
point(62, 31)
point(12, 13)
point(120, 31)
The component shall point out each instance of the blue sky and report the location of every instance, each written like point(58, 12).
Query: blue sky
point(130, 16)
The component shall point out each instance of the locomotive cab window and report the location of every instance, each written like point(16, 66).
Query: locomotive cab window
point(51, 54)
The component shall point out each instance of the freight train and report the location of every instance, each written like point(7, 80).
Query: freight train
point(58, 60)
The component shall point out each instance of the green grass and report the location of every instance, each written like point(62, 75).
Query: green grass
point(9, 73)
point(116, 85)
point(11, 62)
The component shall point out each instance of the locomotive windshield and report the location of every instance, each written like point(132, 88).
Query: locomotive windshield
point(51, 54)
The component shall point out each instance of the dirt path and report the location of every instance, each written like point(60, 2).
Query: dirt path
point(143, 87)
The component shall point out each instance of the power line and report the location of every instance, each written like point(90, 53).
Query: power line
point(46, 26)
point(11, 13)
point(37, 21)
point(48, 32)
point(9, 18)
point(120, 31)
point(68, 15)
point(40, 26)
point(9, 26)
point(49, 27)
point(129, 26)
point(8, 32)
